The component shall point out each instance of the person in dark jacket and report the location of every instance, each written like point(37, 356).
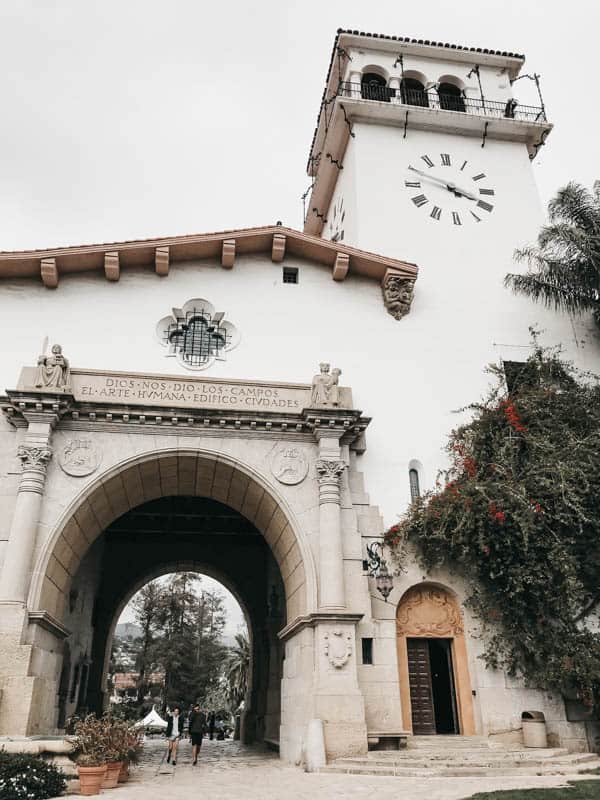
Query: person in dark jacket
point(174, 731)
point(197, 723)
point(211, 725)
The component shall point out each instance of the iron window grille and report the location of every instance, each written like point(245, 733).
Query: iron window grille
point(198, 336)
point(290, 275)
point(413, 479)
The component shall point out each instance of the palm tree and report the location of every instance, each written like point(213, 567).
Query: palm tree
point(237, 670)
point(564, 266)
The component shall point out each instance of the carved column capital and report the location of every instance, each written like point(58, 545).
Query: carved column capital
point(34, 461)
point(329, 474)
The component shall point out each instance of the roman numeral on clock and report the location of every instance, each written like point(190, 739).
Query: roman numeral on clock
point(445, 159)
point(413, 184)
point(427, 160)
point(419, 200)
point(436, 212)
point(477, 219)
point(456, 218)
point(479, 177)
point(463, 166)
point(487, 191)
point(485, 206)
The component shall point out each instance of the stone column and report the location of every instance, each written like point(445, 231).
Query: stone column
point(331, 555)
point(394, 83)
point(355, 79)
point(34, 453)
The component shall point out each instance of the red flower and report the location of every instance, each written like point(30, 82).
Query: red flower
point(512, 416)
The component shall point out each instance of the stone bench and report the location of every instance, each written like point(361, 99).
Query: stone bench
point(387, 740)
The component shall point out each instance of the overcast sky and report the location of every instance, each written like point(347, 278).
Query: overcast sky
point(134, 118)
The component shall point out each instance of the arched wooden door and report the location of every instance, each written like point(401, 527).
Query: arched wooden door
point(435, 688)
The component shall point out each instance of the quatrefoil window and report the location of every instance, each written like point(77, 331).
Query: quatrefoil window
point(197, 335)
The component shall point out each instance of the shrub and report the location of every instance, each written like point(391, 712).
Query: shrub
point(27, 777)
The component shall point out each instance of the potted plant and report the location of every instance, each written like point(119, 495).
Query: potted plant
point(116, 749)
point(91, 760)
point(132, 745)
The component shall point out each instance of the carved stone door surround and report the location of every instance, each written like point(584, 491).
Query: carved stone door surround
point(430, 611)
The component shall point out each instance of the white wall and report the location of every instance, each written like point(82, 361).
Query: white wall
point(409, 376)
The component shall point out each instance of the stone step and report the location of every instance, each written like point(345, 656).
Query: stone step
point(492, 760)
point(516, 753)
point(450, 771)
point(452, 743)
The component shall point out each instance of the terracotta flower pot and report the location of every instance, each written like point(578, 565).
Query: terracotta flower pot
point(112, 774)
point(90, 779)
point(124, 773)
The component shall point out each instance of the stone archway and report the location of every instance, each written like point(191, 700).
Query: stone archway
point(430, 612)
point(165, 473)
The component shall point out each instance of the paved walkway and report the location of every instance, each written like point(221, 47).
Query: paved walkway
point(229, 771)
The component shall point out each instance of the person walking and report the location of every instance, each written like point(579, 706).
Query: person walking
point(174, 731)
point(197, 723)
point(211, 724)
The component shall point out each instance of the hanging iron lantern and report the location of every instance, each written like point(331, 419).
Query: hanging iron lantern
point(377, 568)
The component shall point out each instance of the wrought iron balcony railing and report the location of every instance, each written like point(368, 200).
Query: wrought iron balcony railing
point(447, 102)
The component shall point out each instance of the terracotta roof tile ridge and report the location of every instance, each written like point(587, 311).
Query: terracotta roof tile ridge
point(431, 43)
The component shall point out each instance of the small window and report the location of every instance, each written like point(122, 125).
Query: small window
point(290, 274)
point(413, 479)
point(367, 651)
point(451, 97)
point(374, 87)
point(413, 92)
point(519, 375)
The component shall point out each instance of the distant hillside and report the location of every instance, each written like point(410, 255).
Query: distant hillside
point(129, 630)
point(126, 630)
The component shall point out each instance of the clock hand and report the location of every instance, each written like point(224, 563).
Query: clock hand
point(449, 185)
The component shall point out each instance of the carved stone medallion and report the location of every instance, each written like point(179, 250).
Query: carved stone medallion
point(289, 464)
point(80, 457)
point(338, 647)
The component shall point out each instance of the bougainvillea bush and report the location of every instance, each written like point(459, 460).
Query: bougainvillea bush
point(518, 515)
point(27, 777)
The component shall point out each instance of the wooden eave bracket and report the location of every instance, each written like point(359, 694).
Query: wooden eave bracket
point(228, 253)
point(112, 270)
point(161, 261)
point(398, 289)
point(341, 266)
point(278, 248)
point(49, 272)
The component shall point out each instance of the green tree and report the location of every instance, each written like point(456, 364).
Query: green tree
point(564, 266)
point(517, 514)
point(237, 670)
point(144, 606)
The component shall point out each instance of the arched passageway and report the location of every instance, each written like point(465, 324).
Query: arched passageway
point(183, 511)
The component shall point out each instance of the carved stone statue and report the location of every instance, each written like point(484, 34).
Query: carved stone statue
point(398, 295)
point(53, 371)
point(325, 388)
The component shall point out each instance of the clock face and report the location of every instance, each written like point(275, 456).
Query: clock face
point(450, 190)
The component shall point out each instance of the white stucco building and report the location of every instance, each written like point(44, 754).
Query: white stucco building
point(188, 431)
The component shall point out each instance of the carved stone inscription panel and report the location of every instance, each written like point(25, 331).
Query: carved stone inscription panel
point(428, 611)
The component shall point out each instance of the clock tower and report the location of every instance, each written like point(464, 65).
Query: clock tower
point(422, 150)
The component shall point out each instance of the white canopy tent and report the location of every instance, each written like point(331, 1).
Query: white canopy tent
point(151, 720)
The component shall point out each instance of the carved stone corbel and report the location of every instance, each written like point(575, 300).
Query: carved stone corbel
point(397, 293)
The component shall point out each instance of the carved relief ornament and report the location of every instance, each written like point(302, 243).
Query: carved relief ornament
point(79, 457)
point(398, 295)
point(34, 457)
point(328, 476)
point(429, 611)
point(338, 647)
